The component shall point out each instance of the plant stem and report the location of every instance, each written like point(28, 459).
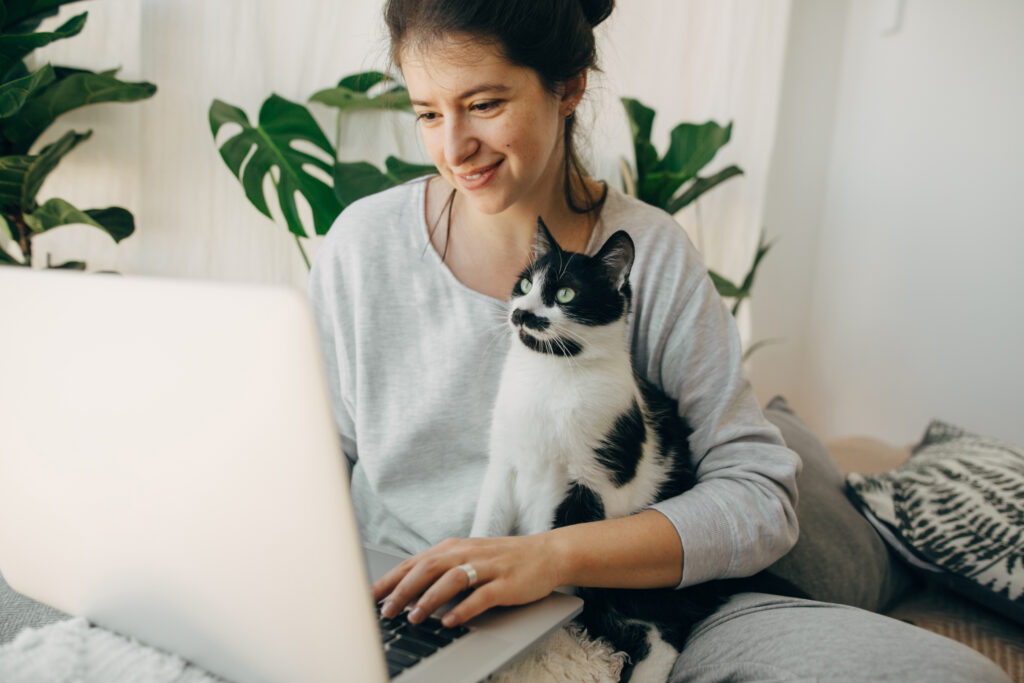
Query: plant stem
point(303, 252)
point(23, 236)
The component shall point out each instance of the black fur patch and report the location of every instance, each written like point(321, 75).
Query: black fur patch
point(580, 505)
point(557, 347)
point(528, 319)
point(622, 448)
point(674, 436)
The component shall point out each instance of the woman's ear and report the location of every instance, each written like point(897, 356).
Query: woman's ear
point(573, 93)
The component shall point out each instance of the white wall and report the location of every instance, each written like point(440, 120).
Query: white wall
point(897, 278)
point(690, 60)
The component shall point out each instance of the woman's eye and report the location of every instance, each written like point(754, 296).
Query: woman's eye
point(565, 295)
point(484, 106)
point(426, 116)
point(525, 286)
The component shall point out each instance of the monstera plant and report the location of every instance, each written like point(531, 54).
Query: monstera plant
point(30, 101)
point(254, 152)
point(673, 181)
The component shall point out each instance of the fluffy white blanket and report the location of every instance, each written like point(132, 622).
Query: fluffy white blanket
point(73, 651)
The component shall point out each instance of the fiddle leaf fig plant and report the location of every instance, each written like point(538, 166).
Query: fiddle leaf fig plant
point(30, 101)
point(673, 181)
point(255, 152)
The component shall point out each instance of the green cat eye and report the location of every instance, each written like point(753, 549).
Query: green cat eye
point(565, 295)
point(525, 285)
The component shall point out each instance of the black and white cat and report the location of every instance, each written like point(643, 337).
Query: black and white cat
point(576, 437)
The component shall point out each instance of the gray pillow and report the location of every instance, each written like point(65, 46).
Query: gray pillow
point(18, 612)
point(955, 512)
point(839, 556)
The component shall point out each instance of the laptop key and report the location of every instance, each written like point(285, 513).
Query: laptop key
point(416, 647)
point(400, 658)
point(422, 634)
point(394, 670)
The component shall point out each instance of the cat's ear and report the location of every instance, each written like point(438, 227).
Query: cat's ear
point(617, 256)
point(543, 242)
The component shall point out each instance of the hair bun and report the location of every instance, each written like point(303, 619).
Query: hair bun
point(596, 11)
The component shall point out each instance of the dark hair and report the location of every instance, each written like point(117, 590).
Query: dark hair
point(554, 38)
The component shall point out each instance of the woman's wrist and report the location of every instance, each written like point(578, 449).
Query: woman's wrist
point(638, 551)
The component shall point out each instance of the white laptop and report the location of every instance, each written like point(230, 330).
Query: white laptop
point(169, 469)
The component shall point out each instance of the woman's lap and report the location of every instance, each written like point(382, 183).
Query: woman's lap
point(757, 637)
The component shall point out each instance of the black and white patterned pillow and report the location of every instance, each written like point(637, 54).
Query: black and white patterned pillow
point(955, 510)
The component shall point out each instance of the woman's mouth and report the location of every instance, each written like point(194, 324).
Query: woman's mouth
point(479, 178)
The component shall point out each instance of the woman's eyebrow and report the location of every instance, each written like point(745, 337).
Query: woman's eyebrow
point(476, 90)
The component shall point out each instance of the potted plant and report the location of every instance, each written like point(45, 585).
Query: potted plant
point(29, 102)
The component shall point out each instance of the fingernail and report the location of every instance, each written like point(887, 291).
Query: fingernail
point(415, 615)
point(448, 620)
point(387, 609)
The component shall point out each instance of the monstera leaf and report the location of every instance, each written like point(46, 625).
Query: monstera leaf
point(691, 148)
point(353, 181)
point(255, 150)
point(351, 93)
point(71, 89)
point(21, 176)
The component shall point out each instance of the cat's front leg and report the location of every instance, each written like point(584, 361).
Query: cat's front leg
point(495, 508)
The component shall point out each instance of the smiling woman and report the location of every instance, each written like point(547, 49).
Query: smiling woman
point(414, 330)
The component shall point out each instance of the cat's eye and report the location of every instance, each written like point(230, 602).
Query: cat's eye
point(525, 285)
point(565, 295)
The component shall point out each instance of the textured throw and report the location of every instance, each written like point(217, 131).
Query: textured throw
point(73, 651)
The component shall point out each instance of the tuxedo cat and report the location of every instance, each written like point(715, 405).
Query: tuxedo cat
point(576, 437)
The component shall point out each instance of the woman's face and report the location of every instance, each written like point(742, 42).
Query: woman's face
point(491, 128)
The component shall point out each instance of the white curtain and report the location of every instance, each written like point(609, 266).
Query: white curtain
point(690, 60)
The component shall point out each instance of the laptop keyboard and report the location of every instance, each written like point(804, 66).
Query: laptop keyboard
point(406, 644)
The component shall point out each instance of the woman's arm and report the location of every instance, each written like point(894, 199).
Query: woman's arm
point(638, 551)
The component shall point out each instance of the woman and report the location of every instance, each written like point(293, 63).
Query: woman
point(409, 287)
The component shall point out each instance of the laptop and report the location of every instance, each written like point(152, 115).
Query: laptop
point(170, 470)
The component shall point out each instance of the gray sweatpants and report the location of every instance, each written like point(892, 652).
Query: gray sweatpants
point(757, 637)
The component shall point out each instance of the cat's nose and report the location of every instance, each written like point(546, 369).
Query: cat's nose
point(521, 317)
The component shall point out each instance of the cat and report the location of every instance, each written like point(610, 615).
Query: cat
point(577, 436)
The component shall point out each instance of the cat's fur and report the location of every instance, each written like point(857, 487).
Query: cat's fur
point(578, 437)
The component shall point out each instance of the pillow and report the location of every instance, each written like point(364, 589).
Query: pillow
point(955, 511)
point(839, 556)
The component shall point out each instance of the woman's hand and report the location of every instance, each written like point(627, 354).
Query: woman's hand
point(510, 571)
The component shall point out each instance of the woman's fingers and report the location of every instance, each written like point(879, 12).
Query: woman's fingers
point(451, 583)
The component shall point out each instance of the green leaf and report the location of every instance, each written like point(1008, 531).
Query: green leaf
point(350, 94)
point(699, 187)
point(762, 249)
point(24, 15)
point(14, 46)
point(362, 82)
point(693, 146)
point(8, 260)
point(267, 145)
point(725, 288)
point(402, 171)
point(21, 176)
point(73, 90)
point(641, 119)
point(14, 94)
point(115, 221)
point(358, 179)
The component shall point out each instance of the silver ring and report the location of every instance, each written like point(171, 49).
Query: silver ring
point(470, 573)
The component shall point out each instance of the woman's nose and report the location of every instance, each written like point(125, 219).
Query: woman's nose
point(459, 143)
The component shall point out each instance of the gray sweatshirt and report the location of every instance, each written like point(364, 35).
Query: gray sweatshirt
point(414, 358)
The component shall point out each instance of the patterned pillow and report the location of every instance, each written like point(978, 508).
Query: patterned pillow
point(955, 510)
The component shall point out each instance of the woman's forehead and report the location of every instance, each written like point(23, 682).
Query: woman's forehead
point(452, 66)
